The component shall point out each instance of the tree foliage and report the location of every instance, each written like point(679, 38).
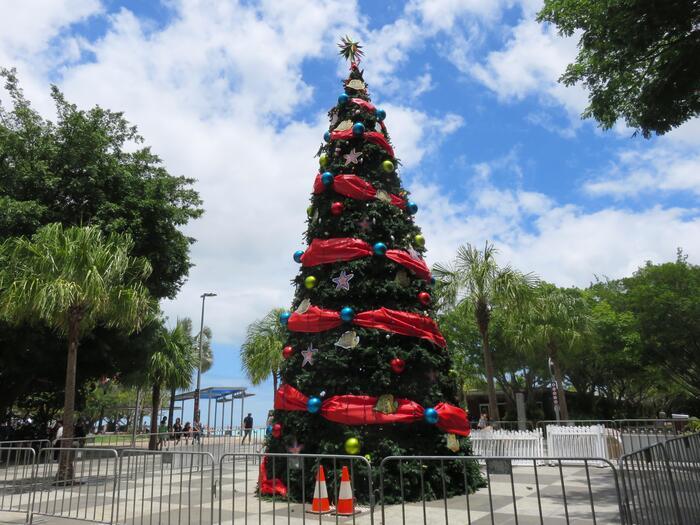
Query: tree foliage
point(71, 280)
point(87, 167)
point(637, 58)
point(261, 352)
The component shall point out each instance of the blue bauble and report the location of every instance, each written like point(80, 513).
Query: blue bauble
point(411, 207)
point(268, 430)
point(284, 317)
point(343, 99)
point(313, 405)
point(379, 248)
point(327, 136)
point(297, 255)
point(347, 313)
point(358, 128)
point(431, 416)
point(380, 114)
point(432, 280)
point(327, 178)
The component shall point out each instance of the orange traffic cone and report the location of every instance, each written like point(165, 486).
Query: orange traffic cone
point(346, 503)
point(320, 504)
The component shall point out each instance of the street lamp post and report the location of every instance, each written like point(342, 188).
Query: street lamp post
point(199, 366)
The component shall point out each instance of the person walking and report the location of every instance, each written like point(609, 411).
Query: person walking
point(177, 429)
point(163, 433)
point(247, 428)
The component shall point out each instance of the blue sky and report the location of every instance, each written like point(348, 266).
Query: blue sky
point(234, 94)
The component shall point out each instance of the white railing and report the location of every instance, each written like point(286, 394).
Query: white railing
point(504, 443)
point(594, 441)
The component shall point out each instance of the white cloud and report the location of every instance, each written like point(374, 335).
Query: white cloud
point(561, 243)
point(531, 62)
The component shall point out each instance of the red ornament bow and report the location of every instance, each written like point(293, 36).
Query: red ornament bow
point(324, 251)
point(356, 188)
point(359, 410)
point(317, 319)
point(370, 136)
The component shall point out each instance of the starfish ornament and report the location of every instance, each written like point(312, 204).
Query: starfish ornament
point(353, 157)
point(295, 448)
point(342, 282)
point(308, 355)
point(413, 253)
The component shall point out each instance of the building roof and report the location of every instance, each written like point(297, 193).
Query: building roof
point(216, 392)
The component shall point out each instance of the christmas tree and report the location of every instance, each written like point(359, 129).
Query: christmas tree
point(366, 370)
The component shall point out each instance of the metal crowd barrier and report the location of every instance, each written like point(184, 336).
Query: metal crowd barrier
point(514, 493)
point(662, 483)
point(17, 479)
point(172, 487)
point(75, 483)
point(240, 500)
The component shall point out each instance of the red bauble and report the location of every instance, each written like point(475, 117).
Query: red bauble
point(424, 298)
point(337, 208)
point(287, 352)
point(276, 430)
point(398, 365)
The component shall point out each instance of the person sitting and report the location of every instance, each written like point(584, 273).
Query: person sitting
point(177, 428)
point(186, 432)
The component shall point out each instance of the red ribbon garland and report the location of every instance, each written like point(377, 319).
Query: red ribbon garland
point(356, 188)
point(368, 106)
point(324, 251)
point(359, 410)
point(317, 319)
point(270, 487)
point(370, 136)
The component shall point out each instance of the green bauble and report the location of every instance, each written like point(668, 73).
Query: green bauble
point(420, 240)
point(310, 211)
point(310, 282)
point(388, 166)
point(352, 446)
point(323, 160)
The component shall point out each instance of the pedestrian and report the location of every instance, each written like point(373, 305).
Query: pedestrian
point(163, 433)
point(196, 429)
point(177, 428)
point(247, 428)
point(55, 435)
point(483, 421)
point(186, 431)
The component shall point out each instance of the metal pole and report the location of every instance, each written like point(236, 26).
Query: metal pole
point(216, 410)
point(233, 398)
point(209, 413)
point(199, 366)
point(136, 417)
point(242, 405)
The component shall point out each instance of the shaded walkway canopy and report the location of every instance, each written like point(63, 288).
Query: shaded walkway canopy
point(216, 392)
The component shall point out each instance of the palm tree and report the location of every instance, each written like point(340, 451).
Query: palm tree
point(73, 279)
point(188, 339)
point(261, 352)
point(476, 278)
point(172, 363)
point(559, 320)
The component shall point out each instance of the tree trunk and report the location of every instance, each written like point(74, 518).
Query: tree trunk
point(65, 467)
point(563, 409)
point(488, 363)
point(155, 409)
point(275, 381)
point(171, 408)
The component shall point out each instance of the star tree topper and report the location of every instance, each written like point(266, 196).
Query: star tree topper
point(350, 50)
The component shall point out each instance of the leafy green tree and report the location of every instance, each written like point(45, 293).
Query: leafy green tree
point(171, 364)
point(182, 335)
point(73, 279)
point(666, 300)
point(476, 278)
point(261, 354)
point(109, 400)
point(558, 319)
point(88, 167)
point(637, 58)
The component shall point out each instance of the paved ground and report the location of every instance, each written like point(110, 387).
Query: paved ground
point(152, 491)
